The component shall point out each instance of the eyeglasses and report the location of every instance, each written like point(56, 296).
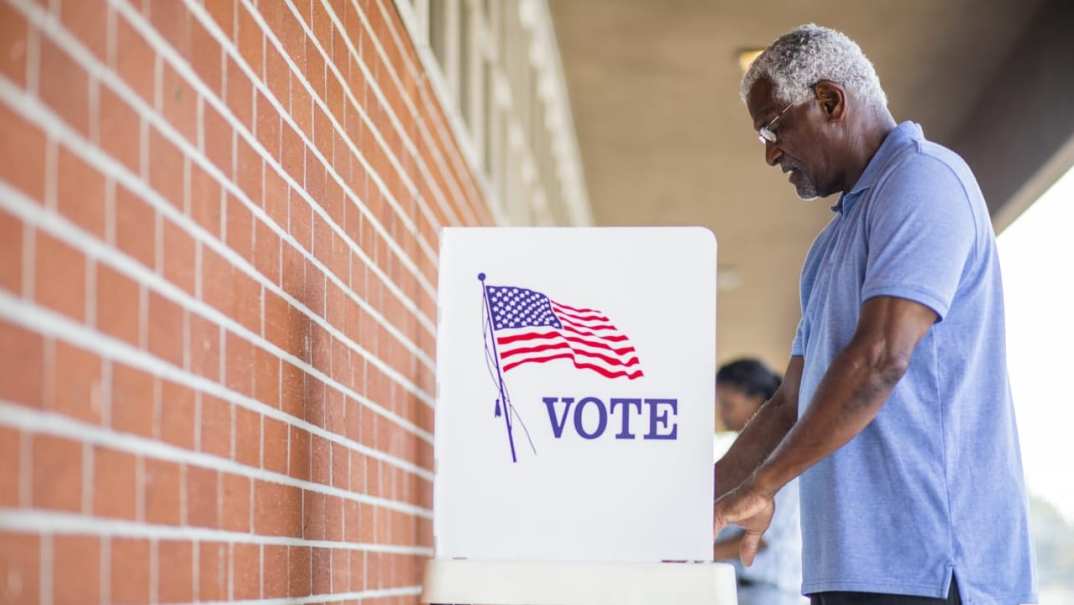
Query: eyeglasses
point(765, 134)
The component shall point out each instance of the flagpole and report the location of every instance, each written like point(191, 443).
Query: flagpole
point(499, 373)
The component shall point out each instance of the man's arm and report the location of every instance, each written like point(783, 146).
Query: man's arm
point(850, 395)
point(762, 433)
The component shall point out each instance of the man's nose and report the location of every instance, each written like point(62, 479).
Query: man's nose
point(772, 153)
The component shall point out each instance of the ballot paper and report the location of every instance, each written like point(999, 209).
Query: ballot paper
point(575, 391)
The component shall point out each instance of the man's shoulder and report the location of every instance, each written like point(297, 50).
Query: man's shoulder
point(929, 164)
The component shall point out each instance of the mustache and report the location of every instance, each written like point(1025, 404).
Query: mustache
point(789, 166)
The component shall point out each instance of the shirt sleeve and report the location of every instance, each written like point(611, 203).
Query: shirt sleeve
point(798, 346)
point(920, 234)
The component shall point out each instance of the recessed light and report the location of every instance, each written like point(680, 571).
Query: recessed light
point(746, 57)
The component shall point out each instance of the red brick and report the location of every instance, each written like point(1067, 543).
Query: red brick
point(201, 497)
point(301, 109)
point(20, 559)
point(135, 227)
point(292, 154)
point(320, 463)
point(274, 580)
point(249, 167)
point(218, 136)
point(130, 570)
point(277, 312)
point(217, 279)
point(179, 263)
point(205, 200)
point(213, 571)
point(57, 473)
point(75, 387)
point(350, 520)
point(335, 419)
point(340, 466)
point(299, 571)
point(299, 461)
point(135, 63)
point(277, 509)
point(353, 418)
point(119, 128)
point(267, 377)
point(314, 400)
point(240, 228)
point(341, 570)
point(247, 437)
point(118, 305)
point(357, 571)
point(235, 513)
point(180, 105)
point(133, 400)
point(333, 518)
point(206, 56)
point(247, 301)
point(322, 571)
point(292, 386)
point(165, 168)
point(374, 571)
point(267, 252)
point(246, 559)
point(64, 86)
point(76, 569)
point(80, 193)
point(204, 339)
point(14, 33)
point(173, 22)
point(215, 426)
point(294, 277)
point(365, 523)
point(162, 487)
point(60, 276)
point(165, 329)
point(177, 415)
point(250, 40)
point(313, 515)
point(11, 230)
point(240, 361)
point(223, 12)
point(268, 126)
point(175, 565)
point(277, 74)
point(21, 354)
point(275, 445)
point(240, 99)
point(10, 454)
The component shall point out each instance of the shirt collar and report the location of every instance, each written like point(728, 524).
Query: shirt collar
point(903, 135)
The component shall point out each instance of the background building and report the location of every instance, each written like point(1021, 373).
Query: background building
point(219, 229)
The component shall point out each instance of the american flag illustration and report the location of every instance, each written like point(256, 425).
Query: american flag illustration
point(529, 327)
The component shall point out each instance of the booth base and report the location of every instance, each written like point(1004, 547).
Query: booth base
point(463, 581)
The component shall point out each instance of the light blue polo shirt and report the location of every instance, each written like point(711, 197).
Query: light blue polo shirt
point(933, 486)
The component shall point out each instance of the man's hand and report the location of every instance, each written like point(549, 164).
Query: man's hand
point(750, 508)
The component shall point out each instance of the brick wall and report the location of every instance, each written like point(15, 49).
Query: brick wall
point(218, 224)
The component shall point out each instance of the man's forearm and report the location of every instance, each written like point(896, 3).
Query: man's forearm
point(848, 398)
point(761, 435)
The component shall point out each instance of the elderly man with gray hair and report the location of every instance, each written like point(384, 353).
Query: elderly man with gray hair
point(895, 411)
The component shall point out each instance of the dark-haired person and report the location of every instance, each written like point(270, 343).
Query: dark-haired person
point(895, 411)
point(775, 577)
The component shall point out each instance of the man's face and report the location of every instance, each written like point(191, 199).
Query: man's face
point(734, 408)
point(800, 146)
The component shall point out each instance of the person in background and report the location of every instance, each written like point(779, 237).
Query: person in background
point(775, 578)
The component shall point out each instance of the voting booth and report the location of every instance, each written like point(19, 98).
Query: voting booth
point(574, 418)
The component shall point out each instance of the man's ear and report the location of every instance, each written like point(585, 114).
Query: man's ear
point(833, 99)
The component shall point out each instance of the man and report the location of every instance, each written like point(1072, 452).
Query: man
point(775, 576)
point(895, 409)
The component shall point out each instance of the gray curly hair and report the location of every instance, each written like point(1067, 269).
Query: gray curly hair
point(810, 53)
